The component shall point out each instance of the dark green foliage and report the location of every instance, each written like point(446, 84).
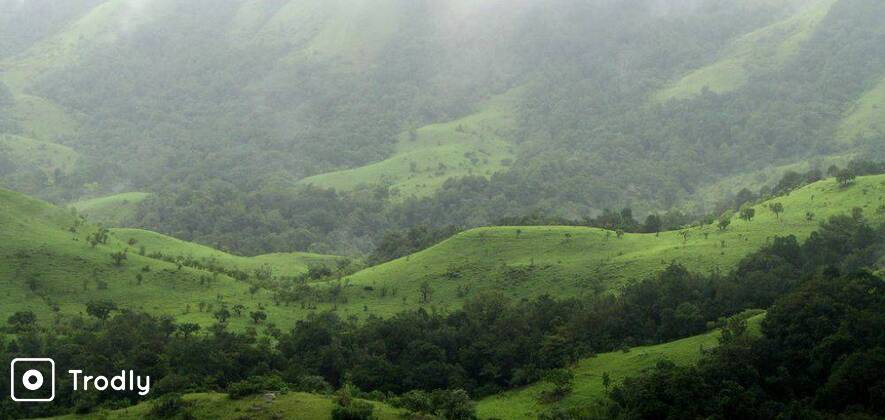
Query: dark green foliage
point(493, 343)
point(821, 354)
point(257, 384)
point(399, 244)
point(100, 309)
point(168, 407)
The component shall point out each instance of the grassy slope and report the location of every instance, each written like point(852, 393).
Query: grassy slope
point(352, 30)
point(524, 403)
point(37, 248)
point(867, 118)
point(765, 47)
point(568, 261)
point(111, 210)
point(38, 154)
point(473, 145)
point(711, 194)
point(282, 264)
point(294, 405)
point(565, 261)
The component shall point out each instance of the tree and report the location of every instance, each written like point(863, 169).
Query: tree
point(857, 213)
point(845, 177)
point(258, 316)
point(118, 258)
point(747, 213)
point(724, 221)
point(222, 315)
point(188, 328)
point(426, 292)
point(777, 208)
point(22, 321)
point(454, 405)
point(562, 381)
point(652, 224)
point(238, 309)
point(100, 309)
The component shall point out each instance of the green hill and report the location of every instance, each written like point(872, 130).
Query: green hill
point(768, 47)
point(48, 266)
point(567, 261)
point(524, 403)
point(477, 144)
point(111, 210)
point(867, 118)
point(28, 153)
point(294, 405)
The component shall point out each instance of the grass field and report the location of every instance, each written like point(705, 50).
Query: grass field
point(867, 118)
point(48, 267)
point(45, 156)
point(524, 403)
point(570, 261)
point(293, 405)
point(767, 47)
point(111, 210)
point(474, 145)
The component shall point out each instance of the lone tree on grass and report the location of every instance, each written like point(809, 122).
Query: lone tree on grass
point(748, 213)
point(188, 328)
point(100, 309)
point(777, 209)
point(562, 381)
point(426, 292)
point(258, 316)
point(118, 258)
point(724, 221)
point(845, 177)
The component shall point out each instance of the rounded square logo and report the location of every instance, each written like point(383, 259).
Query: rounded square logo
point(32, 379)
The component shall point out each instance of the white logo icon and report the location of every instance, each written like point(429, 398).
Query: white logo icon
point(31, 379)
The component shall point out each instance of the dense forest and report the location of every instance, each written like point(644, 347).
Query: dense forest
point(494, 343)
point(221, 121)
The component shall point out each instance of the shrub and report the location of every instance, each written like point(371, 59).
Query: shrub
point(256, 385)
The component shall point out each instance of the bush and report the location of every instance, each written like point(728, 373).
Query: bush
point(355, 410)
point(169, 406)
point(257, 385)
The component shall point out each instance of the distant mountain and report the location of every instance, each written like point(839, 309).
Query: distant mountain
point(411, 109)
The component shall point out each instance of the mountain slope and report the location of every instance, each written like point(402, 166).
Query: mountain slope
point(588, 389)
point(768, 47)
point(566, 261)
point(293, 405)
point(47, 266)
point(477, 144)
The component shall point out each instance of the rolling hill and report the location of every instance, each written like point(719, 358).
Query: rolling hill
point(294, 405)
point(524, 403)
point(567, 261)
point(48, 266)
point(477, 144)
point(111, 210)
point(765, 48)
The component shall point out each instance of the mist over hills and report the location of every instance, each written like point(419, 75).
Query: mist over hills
point(241, 117)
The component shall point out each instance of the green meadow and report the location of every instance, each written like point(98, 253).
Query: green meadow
point(111, 210)
point(45, 156)
point(293, 405)
point(525, 403)
point(570, 261)
point(48, 265)
point(426, 157)
point(768, 47)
